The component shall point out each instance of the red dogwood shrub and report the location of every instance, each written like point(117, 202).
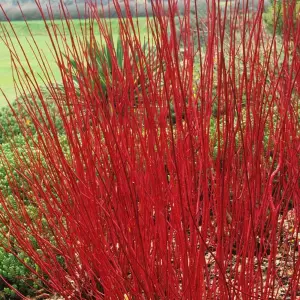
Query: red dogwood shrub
point(180, 178)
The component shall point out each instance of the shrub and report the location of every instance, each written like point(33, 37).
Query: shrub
point(145, 208)
point(11, 269)
point(14, 272)
point(280, 13)
point(9, 125)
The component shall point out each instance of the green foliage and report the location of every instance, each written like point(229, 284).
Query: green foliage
point(16, 274)
point(101, 59)
point(9, 127)
point(11, 268)
point(105, 61)
point(274, 15)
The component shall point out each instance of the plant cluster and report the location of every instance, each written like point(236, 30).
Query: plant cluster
point(11, 269)
point(11, 125)
point(17, 275)
point(132, 204)
point(279, 13)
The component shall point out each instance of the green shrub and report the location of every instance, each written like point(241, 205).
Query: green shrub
point(11, 268)
point(16, 274)
point(274, 13)
point(9, 126)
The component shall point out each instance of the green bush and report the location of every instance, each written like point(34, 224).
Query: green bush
point(275, 13)
point(9, 126)
point(12, 270)
point(17, 275)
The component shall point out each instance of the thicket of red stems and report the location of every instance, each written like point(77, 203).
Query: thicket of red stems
point(144, 207)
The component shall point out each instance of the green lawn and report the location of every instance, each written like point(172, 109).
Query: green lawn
point(42, 38)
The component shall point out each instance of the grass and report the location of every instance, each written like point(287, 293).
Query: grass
point(42, 38)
